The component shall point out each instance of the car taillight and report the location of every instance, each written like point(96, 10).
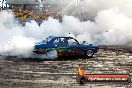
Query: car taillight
point(42, 51)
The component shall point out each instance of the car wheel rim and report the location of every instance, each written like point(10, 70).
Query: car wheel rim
point(89, 53)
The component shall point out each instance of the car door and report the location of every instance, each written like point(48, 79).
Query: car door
point(61, 46)
point(74, 47)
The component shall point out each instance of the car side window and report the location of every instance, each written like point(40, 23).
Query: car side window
point(59, 41)
point(72, 42)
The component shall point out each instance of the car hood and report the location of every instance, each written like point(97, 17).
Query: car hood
point(90, 45)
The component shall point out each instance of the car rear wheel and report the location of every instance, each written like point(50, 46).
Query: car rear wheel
point(90, 53)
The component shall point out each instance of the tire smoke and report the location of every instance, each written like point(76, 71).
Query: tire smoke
point(112, 26)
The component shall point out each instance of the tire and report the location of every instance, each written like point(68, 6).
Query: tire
point(89, 53)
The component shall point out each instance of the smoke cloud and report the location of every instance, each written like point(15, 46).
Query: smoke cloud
point(13, 39)
point(112, 26)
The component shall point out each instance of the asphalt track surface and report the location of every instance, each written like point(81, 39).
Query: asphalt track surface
point(27, 73)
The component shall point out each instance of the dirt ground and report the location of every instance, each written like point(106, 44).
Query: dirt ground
point(22, 73)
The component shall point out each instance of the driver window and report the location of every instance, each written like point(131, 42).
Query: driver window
point(72, 42)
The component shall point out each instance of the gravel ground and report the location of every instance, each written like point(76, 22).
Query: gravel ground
point(21, 73)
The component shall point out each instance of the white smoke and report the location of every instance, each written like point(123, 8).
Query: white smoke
point(112, 26)
point(13, 39)
point(92, 7)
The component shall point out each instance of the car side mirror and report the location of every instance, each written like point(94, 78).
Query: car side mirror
point(84, 42)
point(90, 44)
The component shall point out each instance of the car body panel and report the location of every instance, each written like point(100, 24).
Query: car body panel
point(65, 46)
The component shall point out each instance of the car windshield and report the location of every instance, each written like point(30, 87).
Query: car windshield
point(47, 39)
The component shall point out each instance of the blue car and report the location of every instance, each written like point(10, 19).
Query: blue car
point(65, 46)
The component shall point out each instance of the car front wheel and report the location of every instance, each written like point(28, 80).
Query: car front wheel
point(90, 53)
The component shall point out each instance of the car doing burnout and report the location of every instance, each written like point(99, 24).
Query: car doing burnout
point(65, 46)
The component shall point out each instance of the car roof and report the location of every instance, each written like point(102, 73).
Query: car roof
point(61, 37)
